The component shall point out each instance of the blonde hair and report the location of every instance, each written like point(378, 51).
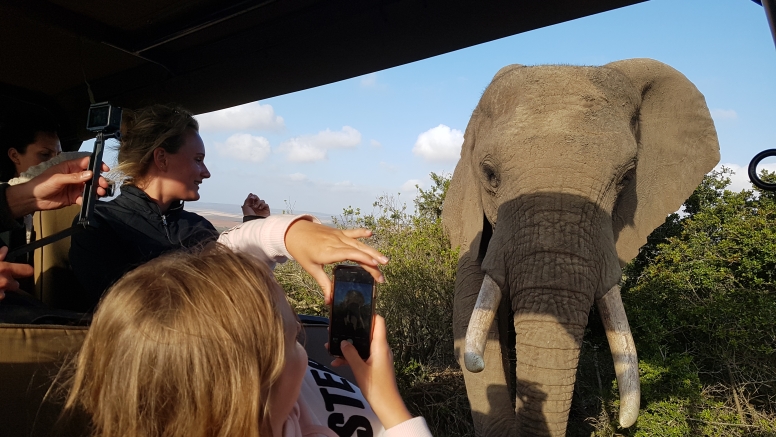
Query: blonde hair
point(146, 129)
point(185, 345)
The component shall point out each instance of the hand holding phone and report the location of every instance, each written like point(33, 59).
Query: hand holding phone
point(352, 309)
point(376, 377)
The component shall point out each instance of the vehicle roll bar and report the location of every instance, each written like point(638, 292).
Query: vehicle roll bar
point(770, 11)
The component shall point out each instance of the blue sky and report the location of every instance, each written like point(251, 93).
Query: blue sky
point(349, 142)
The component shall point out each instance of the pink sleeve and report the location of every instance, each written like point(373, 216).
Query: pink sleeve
point(415, 427)
point(263, 238)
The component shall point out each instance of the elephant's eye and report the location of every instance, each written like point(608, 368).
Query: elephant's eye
point(491, 175)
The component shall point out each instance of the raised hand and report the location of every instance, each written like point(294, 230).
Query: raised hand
point(253, 205)
point(312, 245)
point(376, 377)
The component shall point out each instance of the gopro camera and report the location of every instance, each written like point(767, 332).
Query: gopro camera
point(103, 117)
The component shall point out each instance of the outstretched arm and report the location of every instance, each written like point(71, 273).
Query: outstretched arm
point(311, 244)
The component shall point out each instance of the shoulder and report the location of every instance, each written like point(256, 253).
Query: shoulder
point(194, 220)
point(192, 216)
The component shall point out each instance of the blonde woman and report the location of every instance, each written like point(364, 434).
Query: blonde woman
point(163, 158)
point(206, 345)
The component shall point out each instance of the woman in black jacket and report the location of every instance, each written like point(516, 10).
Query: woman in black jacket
point(162, 156)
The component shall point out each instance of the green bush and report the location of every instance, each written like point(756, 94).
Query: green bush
point(701, 300)
point(417, 297)
point(416, 301)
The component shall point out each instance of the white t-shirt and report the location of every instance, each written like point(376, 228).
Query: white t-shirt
point(338, 404)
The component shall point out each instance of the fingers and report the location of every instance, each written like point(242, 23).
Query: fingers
point(351, 253)
point(357, 233)
point(8, 283)
point(352, 358)
point(74, 165)
point(249, 199)
point(3, 252)
point(379, 332)
point(375, 272)
point(353, 234)
point(16, 270)
point(9, 271)
point(320, 276)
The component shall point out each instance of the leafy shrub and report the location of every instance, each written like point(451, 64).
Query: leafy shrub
point(701, 300)
point(416, 301)
point(417, 297)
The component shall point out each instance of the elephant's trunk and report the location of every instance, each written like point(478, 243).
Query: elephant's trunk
point(547, 358)
point(561, 256)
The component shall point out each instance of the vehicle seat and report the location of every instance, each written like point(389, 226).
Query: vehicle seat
point(30, 357)
point(54, 278)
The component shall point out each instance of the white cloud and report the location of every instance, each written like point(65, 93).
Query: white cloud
point(439, 144)
point(297, 177)
point(344, 186)
point(723, 114)
point(376, 144)
point(311, 148)
point(388, 167)
point(250, 116)
point(369, 81)
point(740, 179)
point(410, 185)
point(245, 147)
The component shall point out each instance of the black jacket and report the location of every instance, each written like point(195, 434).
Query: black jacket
point(131, 230)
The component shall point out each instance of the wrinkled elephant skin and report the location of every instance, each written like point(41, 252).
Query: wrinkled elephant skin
point(564, 172)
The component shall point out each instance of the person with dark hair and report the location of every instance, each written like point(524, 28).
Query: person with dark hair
point(27, 138)
point(56, 187)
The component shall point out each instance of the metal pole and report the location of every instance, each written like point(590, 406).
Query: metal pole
point(89, 196)
point(770, 11)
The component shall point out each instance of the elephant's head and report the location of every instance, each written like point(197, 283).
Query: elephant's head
point(564, 172)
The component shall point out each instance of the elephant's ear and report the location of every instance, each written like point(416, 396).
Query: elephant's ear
point(462, 215)
point(677, 146)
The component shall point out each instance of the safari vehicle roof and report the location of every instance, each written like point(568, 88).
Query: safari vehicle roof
point(210, 54)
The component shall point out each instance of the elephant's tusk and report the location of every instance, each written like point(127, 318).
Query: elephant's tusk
point(626, 363)
point(479, 324)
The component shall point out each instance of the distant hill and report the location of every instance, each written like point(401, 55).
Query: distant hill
point(224, 216)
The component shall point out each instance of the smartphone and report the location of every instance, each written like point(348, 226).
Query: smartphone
point(352, 307)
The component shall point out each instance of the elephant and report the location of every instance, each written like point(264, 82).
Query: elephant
point(564, 172)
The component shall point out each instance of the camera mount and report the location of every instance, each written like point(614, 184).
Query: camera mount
point(104, 119)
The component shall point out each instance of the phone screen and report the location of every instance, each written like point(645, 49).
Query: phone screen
point(351, 310)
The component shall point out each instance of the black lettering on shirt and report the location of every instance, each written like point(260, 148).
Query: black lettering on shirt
point(331, 400)
point(319, 366)
point(358, 424)
point(327, 380)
